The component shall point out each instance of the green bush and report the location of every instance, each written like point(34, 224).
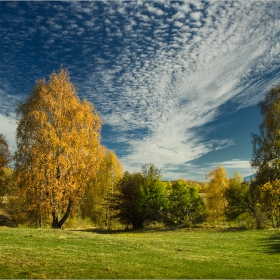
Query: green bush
point(184, 204)
point(139, 198)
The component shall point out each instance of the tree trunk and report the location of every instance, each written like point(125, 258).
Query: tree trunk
point(277, 222)
point(55, 220)
point(258, 221)
point(58, 224)
point(259, 226)
point(67, 213)
point(138, 224)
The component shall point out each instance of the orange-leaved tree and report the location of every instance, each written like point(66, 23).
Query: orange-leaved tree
point(58, 147)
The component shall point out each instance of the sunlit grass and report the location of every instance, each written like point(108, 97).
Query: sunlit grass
point(31, 253)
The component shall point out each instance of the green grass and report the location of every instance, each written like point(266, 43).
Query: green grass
point(36, 253)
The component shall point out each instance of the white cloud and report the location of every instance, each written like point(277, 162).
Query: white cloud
point(179, 15)
point(196, 16)
point(154, 10)
point(194, 171)
point(241, 166)
point(236, 163)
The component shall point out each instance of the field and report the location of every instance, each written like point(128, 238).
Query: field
point(41, 253)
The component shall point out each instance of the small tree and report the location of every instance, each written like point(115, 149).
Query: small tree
point(237, 196)
point(270, 201)
point(139, 197)
point(240, 199)
point(215, 194)
point(58, 147)
point(185, 206)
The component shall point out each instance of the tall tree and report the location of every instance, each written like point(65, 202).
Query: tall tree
point(94, 204)
point(266, 144)
point(266, 155)
point(5, 158)
point(58, 147)
point(215, 194)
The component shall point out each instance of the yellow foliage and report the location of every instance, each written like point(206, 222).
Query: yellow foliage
point(270, 199)
point(58, 141)
point(215, 194)
point(101, 187)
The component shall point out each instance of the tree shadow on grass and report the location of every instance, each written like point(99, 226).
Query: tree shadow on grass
point(103, 231)
point(271, 244)
point(119, 231)
point(234, 229)
point(156, 229)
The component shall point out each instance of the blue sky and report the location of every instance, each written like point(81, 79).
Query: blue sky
point(176, 83)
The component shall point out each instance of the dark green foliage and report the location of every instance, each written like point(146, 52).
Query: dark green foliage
point(241, 199)
point(139, 197)
point(185, 206)
point(237, 196)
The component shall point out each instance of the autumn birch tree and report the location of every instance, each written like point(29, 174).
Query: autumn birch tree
point(215, 194)
point(58, 147)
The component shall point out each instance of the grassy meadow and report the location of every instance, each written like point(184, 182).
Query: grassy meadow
point(46, 253)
